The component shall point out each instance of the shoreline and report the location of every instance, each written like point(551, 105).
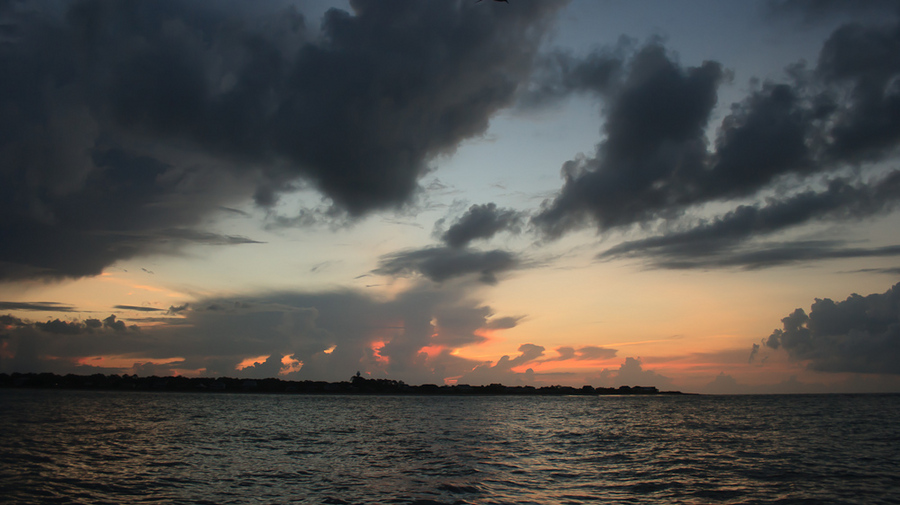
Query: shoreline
point(357, 385)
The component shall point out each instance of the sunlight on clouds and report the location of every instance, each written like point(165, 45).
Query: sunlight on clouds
point(583, 199)
point(430, 351)
point(248, 362)
point(291, 365)
point(376, 347)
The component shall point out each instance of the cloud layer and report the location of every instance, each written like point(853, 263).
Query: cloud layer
point(124, 122)
point(860, 334)
point(332, 334)
point(789, 145)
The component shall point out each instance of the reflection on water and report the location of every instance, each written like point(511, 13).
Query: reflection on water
point(107, 447)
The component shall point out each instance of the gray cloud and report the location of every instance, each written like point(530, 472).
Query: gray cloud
point(64, 327)
point(864, 59)
point(654, 143)
point(138, 308)
point(584, 353)
point(559, 74)
point(630, 373)
point(888, 271)
point(203, 237)
point(334, 334)
point(443, 263)
point(503, 323)
point(860, 334)
point(723, 241)
point(769, 254)
point(37, 306)
point(654, 163)
point(123, 122)
point(482, 222)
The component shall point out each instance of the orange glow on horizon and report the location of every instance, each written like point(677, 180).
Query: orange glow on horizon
point(569, 365)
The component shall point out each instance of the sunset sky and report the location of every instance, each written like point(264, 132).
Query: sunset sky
point(694, 195)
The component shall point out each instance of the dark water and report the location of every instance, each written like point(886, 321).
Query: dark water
point(95, 447)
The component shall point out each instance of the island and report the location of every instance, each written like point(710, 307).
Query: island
point(357, 385)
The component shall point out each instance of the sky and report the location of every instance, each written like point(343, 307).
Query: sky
point(694, 195)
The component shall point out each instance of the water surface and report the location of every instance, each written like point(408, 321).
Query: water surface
point(141, 447)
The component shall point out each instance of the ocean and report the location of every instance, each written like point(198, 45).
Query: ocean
point(183, 448)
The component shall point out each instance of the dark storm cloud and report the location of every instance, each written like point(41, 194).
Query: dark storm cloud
point(558, 74)
point(111, 323)
point(62, 327)
point(443, 263)
point(860, 334)
point(37, 306)
point(57, 345)
point(723, 238)
point(654, 145)
point(654, 163)
point(409, 80)
point(866, 60)
point(124, 121)
point(481, 222)
point(333, 334)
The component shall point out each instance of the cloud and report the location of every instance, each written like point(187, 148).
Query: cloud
point(723, 241)
point(175, 310)
point(888, 271)
point(125, 124)
point(37, 306)
point(630, 373)
point(410, 337)
point(654, 163)
point(503, 323)
point(111, 323)
point(138, 308)
point(481, 222)
point(654, 130)
point(583, 353)
point(771, 254)
point(862, 383)
point(502, 372)
point(442, 263)
point(558, 74)
point(63, 346)
point(860, 334)
point(724, 384)
point(204, 237)
point(63, 327)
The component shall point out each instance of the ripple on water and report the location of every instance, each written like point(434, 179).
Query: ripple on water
point(93, 447)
